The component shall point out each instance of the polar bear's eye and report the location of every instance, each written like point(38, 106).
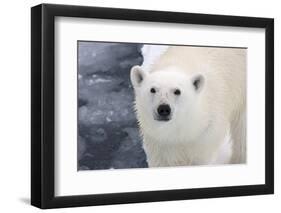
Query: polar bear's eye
point(177, 92)
point(152, 90)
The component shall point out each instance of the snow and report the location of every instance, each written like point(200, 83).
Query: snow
point(151, 53)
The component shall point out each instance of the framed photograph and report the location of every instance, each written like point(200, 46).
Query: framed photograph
point(139, 106)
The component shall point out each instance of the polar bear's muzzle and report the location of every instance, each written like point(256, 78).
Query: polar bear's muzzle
point(163, 113)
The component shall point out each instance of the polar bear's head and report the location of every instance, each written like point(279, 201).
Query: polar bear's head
point(167, 99)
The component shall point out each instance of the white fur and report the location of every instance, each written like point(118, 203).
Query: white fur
point(207, 125)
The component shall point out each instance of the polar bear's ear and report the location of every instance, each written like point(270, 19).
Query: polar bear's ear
point(137, 76)
point(198, 82)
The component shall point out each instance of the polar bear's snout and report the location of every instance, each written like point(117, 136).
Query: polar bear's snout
point(163, 112)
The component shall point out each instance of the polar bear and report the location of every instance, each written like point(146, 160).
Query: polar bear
point(190, 104)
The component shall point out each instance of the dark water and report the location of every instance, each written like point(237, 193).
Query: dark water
point(108, 132)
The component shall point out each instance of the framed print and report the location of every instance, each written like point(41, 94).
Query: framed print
point(139, 106)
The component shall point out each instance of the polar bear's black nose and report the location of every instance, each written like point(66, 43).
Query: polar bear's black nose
point(164, 110)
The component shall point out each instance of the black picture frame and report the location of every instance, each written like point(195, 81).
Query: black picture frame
point(43, 102)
